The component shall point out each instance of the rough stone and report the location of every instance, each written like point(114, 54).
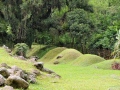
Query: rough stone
point(4, 72)
point(59, 56)
point(10, 71)
point(17, 82)
point(15, 68)
point(56, 62)
point(2, 80)
point(4, 65)
point(47, 71)
point(32, 60)
point(7, 88)
point(39, 65)
point(36, 72)
point(21, 74)
point(5, 47)
point(31, 78)
point(8, 50)
point(21, 57)
point(34, 57)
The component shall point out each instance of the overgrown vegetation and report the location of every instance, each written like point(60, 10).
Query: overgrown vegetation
point(65, 23)
point(21, 49)
point(87, 26)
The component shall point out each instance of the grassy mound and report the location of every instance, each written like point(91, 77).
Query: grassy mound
point(39, 50)
point(67, 56)
point(108, 64)
point(87, 59)
point(52, 53)
point(35, 48)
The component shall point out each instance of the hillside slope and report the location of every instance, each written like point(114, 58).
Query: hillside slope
point(51, 54)
point(10, 60)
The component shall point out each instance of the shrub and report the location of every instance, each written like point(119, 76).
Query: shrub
point(20, 49)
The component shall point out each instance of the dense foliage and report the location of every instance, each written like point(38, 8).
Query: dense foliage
point(86, 25)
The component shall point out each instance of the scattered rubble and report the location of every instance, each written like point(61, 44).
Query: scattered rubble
point(16, 77)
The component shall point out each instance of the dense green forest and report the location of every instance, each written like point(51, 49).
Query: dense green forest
point(90, 26)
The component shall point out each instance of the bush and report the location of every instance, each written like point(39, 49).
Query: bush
point(20, 49)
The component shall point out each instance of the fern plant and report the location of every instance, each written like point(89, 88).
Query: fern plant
point(21, 49)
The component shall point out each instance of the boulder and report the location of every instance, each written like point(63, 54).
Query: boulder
point(21, 74)
point(56, 62)
point(5, 47)
point(47, 71)
point(4, 72)
point(4, 65)
point(2, 80)
point(17, 82)
point(36, 72)
point(21, 57)
point(39, 65)
point(9, 50)
point(59, 56)
point(7, 88)
point(34, 58)
point(10, 71)
point(15, 68)
point(31, 78)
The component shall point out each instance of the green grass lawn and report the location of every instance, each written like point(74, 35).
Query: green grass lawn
point(79, 78)
point(72, 77)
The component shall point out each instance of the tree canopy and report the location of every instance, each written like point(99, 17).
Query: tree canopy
point(82, 24)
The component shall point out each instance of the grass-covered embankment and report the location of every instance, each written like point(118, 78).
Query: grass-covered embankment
point(11, 60)
point(73, 77)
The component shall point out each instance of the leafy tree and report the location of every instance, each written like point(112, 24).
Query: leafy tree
point(80, 27)
point(65, 39)
point(104, 40)
point(83, 4)
point(25, 16)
